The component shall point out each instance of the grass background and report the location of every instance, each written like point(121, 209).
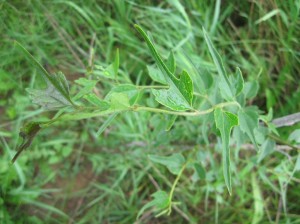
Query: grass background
point(70, 176)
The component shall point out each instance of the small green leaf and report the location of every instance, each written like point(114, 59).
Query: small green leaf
point(118, 101)
point(171, 63)
point(180, 94)
point(160, 201)
point(200, 170)
point(111, 71)
point(174, 162)
point(238, 82)
point(224, 122)
point(224, 84)
point(95, 100)
point(170, 121)
point(248, 118)
point(156, 75)
point(27, 132)
point(267, 148)
point(57, 85)
point(297, 165)
point(129, 90)
point(250, 89)
point(267, 118)
point(295, 136)
point(106, 124)
point(258, 201)
point(116, 63)
point(88, 86)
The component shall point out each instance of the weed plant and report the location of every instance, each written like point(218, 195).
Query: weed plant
point(138, 127)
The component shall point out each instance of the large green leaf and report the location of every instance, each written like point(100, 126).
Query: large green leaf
point(174, 162)
point(57, 92)
point(179, 96)
point(224, 122)
point(224, 84)
point(248, 118)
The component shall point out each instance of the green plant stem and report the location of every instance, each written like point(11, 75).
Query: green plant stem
point(81, 114)
point(193, 113)
point(174, 186)
point(152, 87)
point(284, 142)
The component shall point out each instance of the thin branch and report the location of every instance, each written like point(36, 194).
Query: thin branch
point(288, 120)
point(283, 142)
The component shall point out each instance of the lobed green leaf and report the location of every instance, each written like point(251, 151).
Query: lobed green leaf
point(179, 96)
point(57, 89)
point(224, 122)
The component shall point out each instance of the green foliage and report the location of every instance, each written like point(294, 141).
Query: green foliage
point(224, 122)
point(88, 159)
point(180, 94)
point(248, 118)
point(174, 162)
point(57, 92)
point(28, 132)
point(224, 84)
point(160, 202)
